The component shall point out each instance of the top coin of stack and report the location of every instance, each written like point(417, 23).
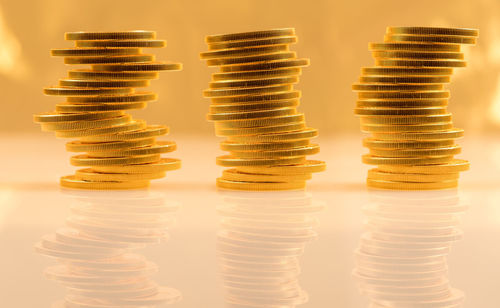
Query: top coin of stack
point(254, 105)
point(402, 102)
point(120, 151)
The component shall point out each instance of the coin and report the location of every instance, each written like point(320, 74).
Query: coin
point(119, 35)
point(376, 174)
point(78, 125)
point(82, 74)
point(411, 185)
point(103, 83)
point(109, 59)
point(259, 50)
point(72, 182)
point(133, 97)
point(242, 107)
point(67, 91)
point(232, 161)
point(234, 185)
point(145, 132)
point(252, 43)
point(249, 75)
point(433, 31)
point(90, 175)
point(251, 114)
point(99, 107)
point(455, 165)
point(122, 43)
point(418, 55)
point(86, 160)
point(250, 35)
point(90, 52)
point(253, 82)
point(445, 39)
point(428, 47)
point(252, 58)
point(47, 117)
point(164, 164)
point(309, 166)
point(140, 67)
point(81, 146)
point(128, 126)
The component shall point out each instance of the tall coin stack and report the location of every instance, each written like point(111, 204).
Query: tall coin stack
point(402, 102)
point(254, 105)
point(120, 152)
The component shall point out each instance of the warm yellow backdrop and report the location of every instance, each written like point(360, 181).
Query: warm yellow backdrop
point(333, 34)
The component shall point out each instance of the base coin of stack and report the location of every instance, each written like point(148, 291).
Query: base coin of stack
point(254, 105)
point(402, 102)
point(118, 152)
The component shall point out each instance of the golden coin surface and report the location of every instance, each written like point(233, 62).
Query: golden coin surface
point(444, 39)
point(252, 43)
point(406, 71)
point(249, 75)
point(90, 175)
point(277, 153)
point(221, 183)
point(411, 185)
point(72, 182)
point(257, 97)
point(61, 91)
point(388, 103)
point(403, 144)
point(376, 174)
point(127, 98)
point(78, 125)
point(80, 146)
point(47, 117)
point(420, 63)
point(82, 74)
point(400, 111)
point(90, 52)
point(253, 83)
point(404, 79)
point(98, 107)
point(418, 55)
point(252, 59)
point(264, 66)
point(307, 167)
point(405, 119)
point(234, 146)
point(246, 107)
point(306, 133)
point(414, 47)
point(404, 95)
point(252, 35)
point(255, 131)
point(380, 160)
point(86, 160)
point(141, 67)
point(115, 35)
point(129, 126)
point(433, 31)
point(164, 164)
point(455, 165)
point(452, 150)
point(247, 91)
point(145, 132)
point(159, 147)
point(397, 87)
point(450, 134)
point(231, 161)
point(238, 176)
point(251, 114)
point(122, 43)
point(434, 127)
point(103, 83)
point(109, 59)
point(261, 122)
point(259, 50)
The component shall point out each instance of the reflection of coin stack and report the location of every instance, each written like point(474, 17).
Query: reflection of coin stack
point(97, 265)
point(401, 259)
point(121, 152)
point(402, 103)
point(258, 245)
point(254, 105)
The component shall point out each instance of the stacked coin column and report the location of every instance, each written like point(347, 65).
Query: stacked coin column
point(402, 102)
point(254, 105)
point(119, 151)
point(98, 264)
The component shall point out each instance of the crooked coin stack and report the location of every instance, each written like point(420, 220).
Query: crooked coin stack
point(254, 105)
point(120, 152)
point(402, 102)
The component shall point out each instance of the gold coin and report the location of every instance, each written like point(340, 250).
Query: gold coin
point(406, 71)
point(128, 98)
point(452, 150)
point(279, 64)
point(307, 167)
point(451, 134)
point(376, 174)
point(103, 83)
point(414, 47)
point(47, 117)
point(253, 83)
point(253, 43)
point(404, 95)
point(301, 134)
point(252, 59)
point(99, 107)
point(130, 126)
point(418, 55)
point(434, 127)
point(255, 131)
point(406, 120)
point(80, 146)
point(277, 153)
point(379, 160)
point(245, 107)
point(82, 74)
point(396, 87)
point(250, 35)
point(420, 63)
point(109, 59)
point(400, 111)
point(397, 144)
point(159, 147)
point(118, 35)
point(92, 176)
point(443, 39)
point(164, 164)
point(259, 50)
point(141, 67)
point(402, 103)
point(260, 185)
point(260, 122)
point(122, 43)
point(92, 52)
point(433, 31)
point(257, 98)
point(246, 91)
point(237, 176)
point(85, 160)
point(85, 91)
point(287, 71)
point(251, 115)
point(72, 182)
point(78, 125)
point(404, 79)
point(455, 165)
point(411, 185)
point(263, 146)
point(145, 132)
point(230, 161)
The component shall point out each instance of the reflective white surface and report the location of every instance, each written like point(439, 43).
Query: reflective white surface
point(261, 249)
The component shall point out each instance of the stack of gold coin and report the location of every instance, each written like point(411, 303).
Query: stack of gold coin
point(402, 102)
point(254, 105)
point(119, 152)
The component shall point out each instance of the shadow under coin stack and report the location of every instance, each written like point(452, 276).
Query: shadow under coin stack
point(96, 250)
point(254, 105)
point(121, 152)
point(401, 260)
point(261, 238)
point(402, 102)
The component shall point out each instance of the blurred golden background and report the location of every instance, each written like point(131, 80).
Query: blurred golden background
point(333, 34)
